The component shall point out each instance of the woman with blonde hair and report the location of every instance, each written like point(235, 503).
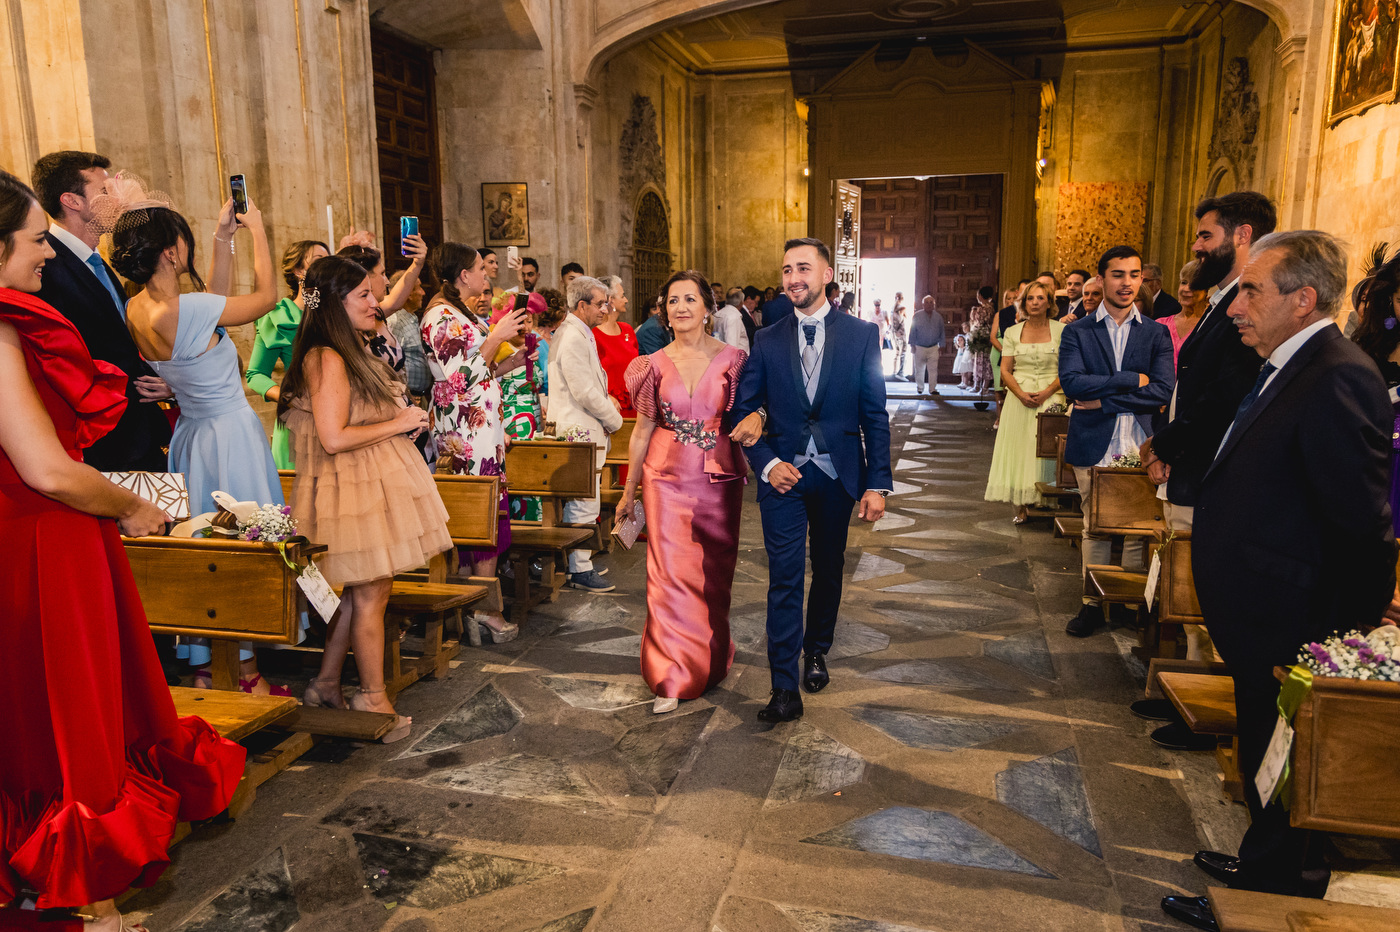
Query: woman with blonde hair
point(1193, 307)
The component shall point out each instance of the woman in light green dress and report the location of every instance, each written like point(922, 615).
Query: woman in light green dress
point(1030, 371)
point(277, 331)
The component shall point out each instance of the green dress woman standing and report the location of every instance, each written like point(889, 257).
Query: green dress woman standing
point(277, 331)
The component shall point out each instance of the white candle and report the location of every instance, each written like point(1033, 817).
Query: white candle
point(330, 228)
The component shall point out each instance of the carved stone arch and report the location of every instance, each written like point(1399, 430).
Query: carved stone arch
point(641, 172)
point(1222, 178)
point(651, 258)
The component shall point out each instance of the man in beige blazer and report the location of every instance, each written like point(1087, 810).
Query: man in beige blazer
point(579, 401)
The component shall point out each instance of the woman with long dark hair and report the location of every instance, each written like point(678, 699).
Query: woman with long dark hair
point(468, 433)
point(692, 483)
point(276, 333)
point(1377, 301)
point(361, 487)
point(98, 770)
point(218, 443)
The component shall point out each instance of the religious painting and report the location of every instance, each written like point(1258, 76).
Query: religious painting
point(1364, 50)
point(1092, 218)
point(505, 213)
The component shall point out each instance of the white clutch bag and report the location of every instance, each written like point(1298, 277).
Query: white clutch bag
point(165, 490)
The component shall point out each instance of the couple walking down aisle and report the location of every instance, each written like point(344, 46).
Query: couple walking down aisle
point(808, 426)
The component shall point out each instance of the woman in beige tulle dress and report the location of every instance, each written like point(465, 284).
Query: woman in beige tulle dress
point(361, 488)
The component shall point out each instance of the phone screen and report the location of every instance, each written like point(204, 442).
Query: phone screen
point(408, 226)
point(521, 300)
point(239, 188)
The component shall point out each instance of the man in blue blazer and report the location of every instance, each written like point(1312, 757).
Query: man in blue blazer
point(815, 376)
point(1116, 365)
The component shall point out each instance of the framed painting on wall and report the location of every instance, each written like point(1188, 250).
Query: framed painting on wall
point(1364, 51)
point(505, 213)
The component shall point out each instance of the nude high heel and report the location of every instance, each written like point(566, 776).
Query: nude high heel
point(323, 697)
point(402, 723)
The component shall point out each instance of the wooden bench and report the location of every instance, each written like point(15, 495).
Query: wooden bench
point(1207, 704)
point(1123, 503)
point(555, 471)
point(1063, 493)
point(1244, 911)
point(1071, 527)
point(612, 483)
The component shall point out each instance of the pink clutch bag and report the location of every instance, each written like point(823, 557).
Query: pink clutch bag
point(627, 530)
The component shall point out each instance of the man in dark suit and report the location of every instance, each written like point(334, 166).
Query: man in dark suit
point(817, 373)
point(1293, 537)
point(1116, 366)
point(1159, 302)
point(780, 308)
point(84, 289)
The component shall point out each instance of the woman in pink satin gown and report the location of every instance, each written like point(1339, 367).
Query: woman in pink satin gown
point(692, 478)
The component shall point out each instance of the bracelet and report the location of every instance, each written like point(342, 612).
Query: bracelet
point(229, 241)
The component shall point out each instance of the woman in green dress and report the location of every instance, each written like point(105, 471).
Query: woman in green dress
point(1030, 371)
point(277, 331)
point(520, 396)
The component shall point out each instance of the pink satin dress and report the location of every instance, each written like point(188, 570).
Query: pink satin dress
point(692, 489)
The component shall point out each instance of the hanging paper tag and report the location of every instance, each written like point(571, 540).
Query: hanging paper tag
point(1270, 773)
point(318, 592)
point(1154, 572)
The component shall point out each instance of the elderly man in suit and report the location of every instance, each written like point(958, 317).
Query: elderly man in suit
point(1293, 537)
point(818, 377)
point(80, 285)
point(579, 399)
point(1117, 368)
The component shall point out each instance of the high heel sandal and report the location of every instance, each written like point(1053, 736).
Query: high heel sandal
point(509, 632)
point(249, 685)
point(312, 697)
point(203, 678)
point(402, 723)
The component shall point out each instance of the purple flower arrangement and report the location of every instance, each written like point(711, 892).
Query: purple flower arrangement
point(269, 523)
point(1375, 656)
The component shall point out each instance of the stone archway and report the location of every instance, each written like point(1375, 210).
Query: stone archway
point(642, 184)
point(651, 252)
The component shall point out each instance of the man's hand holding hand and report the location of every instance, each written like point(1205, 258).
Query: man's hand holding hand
point(872, 506)
point(783, 477)
point(1088, 405)
point(748, 431)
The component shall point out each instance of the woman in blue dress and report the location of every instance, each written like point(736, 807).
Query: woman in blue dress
point(219, 443)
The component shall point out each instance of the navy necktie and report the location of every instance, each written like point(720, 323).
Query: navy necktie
point(1265, 371)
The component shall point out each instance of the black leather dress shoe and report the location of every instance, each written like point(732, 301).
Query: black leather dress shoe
point(1193, 910)
point(814, 675)
point(1154, 710)
point(785, 706)
point(1223, 867)
point(1089, 620)
point(1178, 737)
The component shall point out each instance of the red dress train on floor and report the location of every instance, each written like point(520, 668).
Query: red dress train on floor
point(96, 767)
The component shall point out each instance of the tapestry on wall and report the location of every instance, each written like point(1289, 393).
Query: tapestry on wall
point(1364, 49)
point(1094, 217)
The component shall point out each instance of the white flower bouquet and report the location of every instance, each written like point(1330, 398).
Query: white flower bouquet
point(1126, 461)
point(578, 435)
point(268, 523)
point(1375, 656)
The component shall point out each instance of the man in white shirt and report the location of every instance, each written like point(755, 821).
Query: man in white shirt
point(579, 399)
point(729, 321)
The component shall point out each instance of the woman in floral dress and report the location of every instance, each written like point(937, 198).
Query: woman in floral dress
point(468, 431)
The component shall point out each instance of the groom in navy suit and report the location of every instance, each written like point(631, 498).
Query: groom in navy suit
point(816, 378)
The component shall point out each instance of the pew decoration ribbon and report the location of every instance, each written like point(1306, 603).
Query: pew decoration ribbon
point(319, 594)
point(1375, 656)
point(1275, 774)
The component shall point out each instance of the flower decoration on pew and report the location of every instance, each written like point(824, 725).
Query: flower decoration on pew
point(578, 435)
point(269, 523)
point(1126, 461)
point(1352, 656)
point(1058, 407)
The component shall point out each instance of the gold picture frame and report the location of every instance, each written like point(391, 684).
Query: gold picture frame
point(505, 213)
point(1365, 57)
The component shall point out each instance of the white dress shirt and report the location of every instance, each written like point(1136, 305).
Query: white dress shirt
point(1128, 435)
point(76, 246)
point(1278, 359)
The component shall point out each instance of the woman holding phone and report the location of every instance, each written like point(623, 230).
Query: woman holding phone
point(468, 433)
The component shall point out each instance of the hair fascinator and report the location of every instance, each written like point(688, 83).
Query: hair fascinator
point(358, 238)
point(126, 202)
point(311, 297)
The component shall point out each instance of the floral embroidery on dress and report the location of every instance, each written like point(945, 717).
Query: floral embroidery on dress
point(688, 430)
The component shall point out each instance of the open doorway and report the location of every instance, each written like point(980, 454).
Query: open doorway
point(881, 280)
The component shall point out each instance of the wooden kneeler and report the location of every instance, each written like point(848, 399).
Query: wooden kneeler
point(612, 485)
point(554, 470)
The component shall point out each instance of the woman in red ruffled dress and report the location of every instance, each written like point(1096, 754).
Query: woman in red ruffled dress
point(97, 769)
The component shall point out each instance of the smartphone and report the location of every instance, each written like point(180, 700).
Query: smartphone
point(408, 226)
point(239, 187)
point(512, 257)
point(521, 299)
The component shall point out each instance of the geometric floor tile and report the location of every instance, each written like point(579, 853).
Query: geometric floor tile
point(812, 921)
point(658, 750)
point(935, 673)
point(485, 715)
point(935, 732)
point(597, 695)
point(574, 922)
point(1015, 575)
point(629, 646)
point(852, 639)
point(1026, 652)
point(262, 899)
point(905, 488)
point(1050, 790)
point(519, 776)
point(926, 835)
point(873, 566)
point(431, 876)
point(813, 764)
point(891, 521)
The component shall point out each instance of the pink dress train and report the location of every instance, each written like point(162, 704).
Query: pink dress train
point(692, 489)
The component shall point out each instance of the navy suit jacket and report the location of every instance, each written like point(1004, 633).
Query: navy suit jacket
point(1087, 374)
point(69, 287)
point(777, 310)
point(849, 404)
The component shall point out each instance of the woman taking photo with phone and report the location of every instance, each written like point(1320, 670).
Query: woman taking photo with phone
point(692, 480)
point(361, 488)
point(98, 770)
point(468, 433)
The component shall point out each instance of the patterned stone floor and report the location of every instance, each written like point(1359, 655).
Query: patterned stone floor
point(969, 768)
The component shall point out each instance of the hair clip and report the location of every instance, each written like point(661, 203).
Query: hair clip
point(311, 298)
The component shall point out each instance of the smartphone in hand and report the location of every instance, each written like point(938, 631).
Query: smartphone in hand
point(512, 257)
point(408, 226)
point(238, 186)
